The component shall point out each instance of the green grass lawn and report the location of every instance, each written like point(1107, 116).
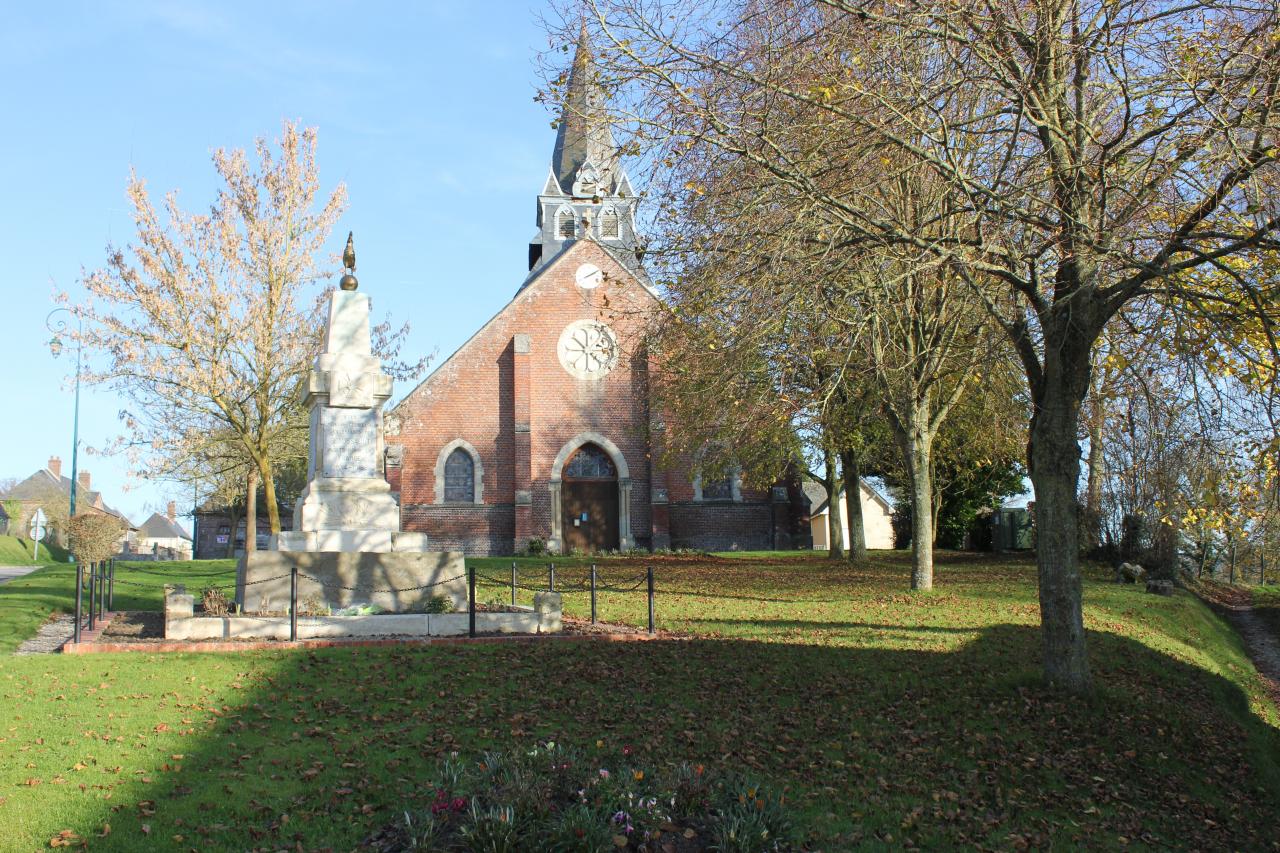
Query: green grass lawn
point(21, 552)
point(890, 718)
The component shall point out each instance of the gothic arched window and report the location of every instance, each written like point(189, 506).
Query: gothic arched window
point(566, 224)
point(459, 477)
point(609, 229)
point(591, 463)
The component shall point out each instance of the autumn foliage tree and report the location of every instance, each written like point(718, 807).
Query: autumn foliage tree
point(1102, 151)
point(206, 323)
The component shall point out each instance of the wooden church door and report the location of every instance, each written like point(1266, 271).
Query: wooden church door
point(589, 501)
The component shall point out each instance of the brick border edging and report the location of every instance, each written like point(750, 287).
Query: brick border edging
point(259, 645)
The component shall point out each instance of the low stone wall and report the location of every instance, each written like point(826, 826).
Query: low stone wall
point(351, 578)
point(180, 623)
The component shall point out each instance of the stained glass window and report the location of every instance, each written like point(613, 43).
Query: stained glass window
point(591, 462)
point(460, 477)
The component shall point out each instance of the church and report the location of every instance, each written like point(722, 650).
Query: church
point(539, 428)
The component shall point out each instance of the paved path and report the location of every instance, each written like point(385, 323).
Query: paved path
point(8, 573)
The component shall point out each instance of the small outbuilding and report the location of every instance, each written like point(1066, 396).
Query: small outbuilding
point(877, 516)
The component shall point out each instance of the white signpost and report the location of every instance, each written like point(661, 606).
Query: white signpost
point(37, 531)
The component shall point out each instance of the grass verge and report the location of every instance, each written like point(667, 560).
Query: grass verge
point(889, 719)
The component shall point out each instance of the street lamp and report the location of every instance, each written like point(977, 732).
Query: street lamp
point(55, 346)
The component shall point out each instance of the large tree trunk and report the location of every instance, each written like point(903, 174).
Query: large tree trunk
point(1054, 461)
point(251, 512)
point(269, 495)
point(916, 445)
point(853, 505)
point(835, 533)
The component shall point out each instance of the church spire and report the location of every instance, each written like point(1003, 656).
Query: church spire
point(586, 194)
point(583, 138)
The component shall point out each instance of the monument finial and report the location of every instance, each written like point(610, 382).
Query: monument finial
point(348, 281)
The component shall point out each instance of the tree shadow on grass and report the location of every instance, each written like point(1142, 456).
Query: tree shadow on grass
point(319, 747)
point(828, 625)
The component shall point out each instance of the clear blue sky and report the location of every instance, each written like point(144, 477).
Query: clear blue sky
point(425, 110)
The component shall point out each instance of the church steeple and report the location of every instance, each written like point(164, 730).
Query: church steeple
point(583, 137)
point(586, 193)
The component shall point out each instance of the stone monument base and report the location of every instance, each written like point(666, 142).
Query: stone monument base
point(351, 578)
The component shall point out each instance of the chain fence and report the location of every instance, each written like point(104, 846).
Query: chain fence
point(100, 581)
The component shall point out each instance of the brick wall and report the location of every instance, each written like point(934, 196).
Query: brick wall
point(475, 530)
point(746, 526)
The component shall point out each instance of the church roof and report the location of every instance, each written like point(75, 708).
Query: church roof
point(583, 135)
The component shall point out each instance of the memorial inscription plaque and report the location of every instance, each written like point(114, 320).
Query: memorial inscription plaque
point(350, 442)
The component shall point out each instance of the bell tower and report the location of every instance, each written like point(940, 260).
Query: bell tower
point(587, 194)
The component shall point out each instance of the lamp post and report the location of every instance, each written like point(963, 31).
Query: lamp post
point(59, 328)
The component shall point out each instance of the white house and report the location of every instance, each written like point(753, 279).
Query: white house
point(877, 516)
point(162, 537)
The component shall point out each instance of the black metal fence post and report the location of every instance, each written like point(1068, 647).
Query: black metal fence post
point(471, 597)
point(102, 589)
point(293, 604)
point(650, 577)
point(551, 577)
point(79, 601)
point(111, 585)
point(93, 576)
point(593, 593)
point(513, 583)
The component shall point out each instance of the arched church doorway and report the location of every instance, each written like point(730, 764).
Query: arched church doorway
point(589, 500)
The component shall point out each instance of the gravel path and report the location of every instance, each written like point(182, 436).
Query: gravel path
point(51, 636)
point(1260, 641)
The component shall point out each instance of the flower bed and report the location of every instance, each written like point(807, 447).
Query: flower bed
point(553, 798)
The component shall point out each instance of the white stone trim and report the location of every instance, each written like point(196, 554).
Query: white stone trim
point(556, 541)
point(478, 469)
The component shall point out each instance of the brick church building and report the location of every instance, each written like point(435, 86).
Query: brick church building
point(539, 427)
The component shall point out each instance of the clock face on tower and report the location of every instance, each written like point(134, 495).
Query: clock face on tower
point(588, 349)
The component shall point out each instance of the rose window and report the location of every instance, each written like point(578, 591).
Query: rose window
point(588, 349)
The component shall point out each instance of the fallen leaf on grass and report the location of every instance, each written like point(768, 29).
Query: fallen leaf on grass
point(66, 838)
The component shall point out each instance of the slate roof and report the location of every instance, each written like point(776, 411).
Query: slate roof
point(583, 133)
point(160, 526)
point(817, 495)
point(38, 485)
